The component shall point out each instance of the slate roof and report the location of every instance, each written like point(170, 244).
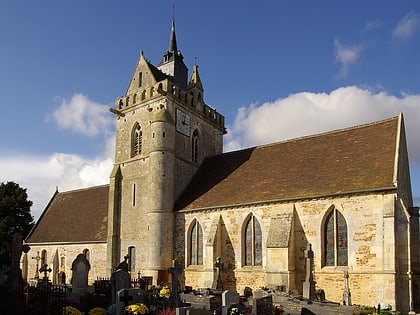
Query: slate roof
point(349, 160)
point(73, 216)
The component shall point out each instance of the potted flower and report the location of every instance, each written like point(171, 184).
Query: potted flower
point(136, 309)
point(165, 291)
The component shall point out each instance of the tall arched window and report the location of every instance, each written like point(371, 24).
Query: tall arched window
point(252, 243)
point(335, 240)
point(194, 146)
point(43, 258)
point(136, 140)
point(196, 244)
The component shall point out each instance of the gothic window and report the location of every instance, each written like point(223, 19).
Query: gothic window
point(43, 257)
point(194, 146)
point(196, 244)
point(335, 240)
point(252, 242)
point(136, 140)
point(132, 258)
point(86, 253)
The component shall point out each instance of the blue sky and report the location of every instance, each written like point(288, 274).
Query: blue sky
point(281, 69)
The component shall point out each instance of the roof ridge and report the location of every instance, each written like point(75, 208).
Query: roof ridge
point(324, 133)
point(83, 189)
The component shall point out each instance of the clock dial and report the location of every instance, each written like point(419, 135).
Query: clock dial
point(182, 122)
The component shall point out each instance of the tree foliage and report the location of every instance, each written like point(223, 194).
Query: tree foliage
point(15, 216)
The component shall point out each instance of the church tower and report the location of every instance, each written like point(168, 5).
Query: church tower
point(164, 131)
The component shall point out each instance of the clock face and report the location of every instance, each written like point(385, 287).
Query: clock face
point(182, 122)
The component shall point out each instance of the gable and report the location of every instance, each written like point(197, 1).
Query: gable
point(73, 216)
point(350, 160)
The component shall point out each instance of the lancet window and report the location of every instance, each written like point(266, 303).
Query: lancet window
point(335, 239)
point(196, 244)
point(136, 140)
point(252, 242)
point(194, 146)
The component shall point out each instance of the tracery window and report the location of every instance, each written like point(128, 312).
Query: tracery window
point(252, 243)
point(335, 240)
point(136, 140)
point(194, 146)
point(196, 244)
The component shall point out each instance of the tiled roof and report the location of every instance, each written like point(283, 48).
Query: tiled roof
point(74, 216)
point(349, 160)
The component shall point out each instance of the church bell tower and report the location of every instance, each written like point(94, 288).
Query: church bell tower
point(164, 131)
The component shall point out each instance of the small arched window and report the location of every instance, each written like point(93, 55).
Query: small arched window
point(252, 242)
point(194, 146)
point(86, 253)
point(196, 244)
point(136, 140)
point(335, 239)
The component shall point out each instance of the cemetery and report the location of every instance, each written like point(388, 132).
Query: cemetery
point(122, 294)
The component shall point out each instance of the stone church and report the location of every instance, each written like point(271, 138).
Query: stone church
point(174, 195)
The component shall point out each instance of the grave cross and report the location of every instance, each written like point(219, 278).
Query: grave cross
point(37, 258)
point(45, 270)
point(175, 271)
point(126, 298)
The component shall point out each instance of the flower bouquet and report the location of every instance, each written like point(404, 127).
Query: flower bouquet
point(136, 309)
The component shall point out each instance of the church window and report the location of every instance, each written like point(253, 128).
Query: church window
point(194, 146)
point(152, 91)
point(132, 258)
point(143, 95)
point(127, 102)
point(134, 194)
point(196, 244)
point(140, 78)
point(335, 240)
point(134, 98)
point(43, 257)
point(136, 140)
point(86, 253)
point(253, 243)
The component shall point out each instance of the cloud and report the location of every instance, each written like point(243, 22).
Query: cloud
point(309, 113)
point(81, 115)
point(346, 56)
point(407, 26)
point(41, 175)
point(372, 25)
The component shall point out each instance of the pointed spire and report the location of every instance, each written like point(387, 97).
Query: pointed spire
point(172, 40)
point(195, 78)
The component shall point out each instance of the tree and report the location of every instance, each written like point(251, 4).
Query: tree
point(15, 216)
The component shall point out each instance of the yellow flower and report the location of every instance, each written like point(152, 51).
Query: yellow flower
point(165, 291)
point(136, 309)
point(70, 310)
point(97, 311)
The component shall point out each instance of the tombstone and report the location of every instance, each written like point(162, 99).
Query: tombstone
point(309, 284)
point(263, 305)
point(120, 280)
point(346, 293)
point(127, 297)
point(229, 298)
point(218, 285)
point(80, 269)
point(175, 271)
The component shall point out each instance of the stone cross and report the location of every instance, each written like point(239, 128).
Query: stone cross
point(346, 292)
point(45, 270)
point(309, 284)
point(219, 266)
point(175, 271)
point(37, 258)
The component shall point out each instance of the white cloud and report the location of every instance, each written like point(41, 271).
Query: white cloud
point(407, 26)
point(346, 56)
point(41, 175)
point(372, 25)
point(81, 115)
point(310, 113)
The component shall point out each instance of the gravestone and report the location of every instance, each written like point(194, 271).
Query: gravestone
point(309, 284)
point(346, 293)
point(218, 285)
point(80, 269)
point(263, 306)
point(229, 298)
point(127, 297)
point(120, 280)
